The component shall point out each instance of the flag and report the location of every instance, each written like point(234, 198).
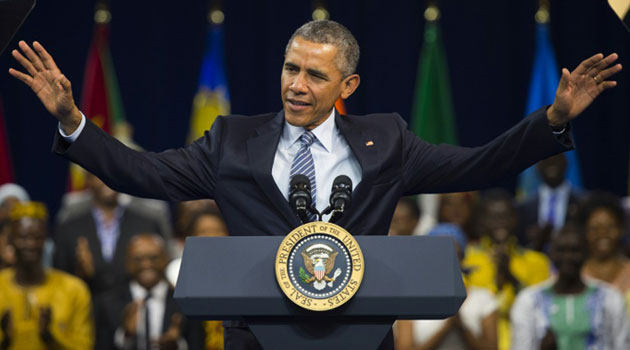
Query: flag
point(212, 98)
point(6, 168)
point(340, 106)
point(622, 9)
point(542, 91)
point(432, 117)
point(100, 98)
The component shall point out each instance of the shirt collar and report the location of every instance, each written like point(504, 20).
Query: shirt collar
point(99, 215)
point(323, 132)
point(158, 291)
point(562, 189)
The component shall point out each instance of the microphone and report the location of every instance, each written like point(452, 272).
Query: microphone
point(300, 196)
point(340, 196)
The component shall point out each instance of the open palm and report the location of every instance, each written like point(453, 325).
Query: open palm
point(578, 89)
point(46, 80)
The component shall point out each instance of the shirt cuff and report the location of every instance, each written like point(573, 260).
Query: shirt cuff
point(72, 137)
point(120, 341)
point(561, 131)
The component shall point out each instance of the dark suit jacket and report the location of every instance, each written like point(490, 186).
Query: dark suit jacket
point(108, 314)
point(232, 164)
point(528, 214)
point(106, 274)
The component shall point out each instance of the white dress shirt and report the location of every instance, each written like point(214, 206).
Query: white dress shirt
point(157, 306)
point(331, 154)
point(561, 203)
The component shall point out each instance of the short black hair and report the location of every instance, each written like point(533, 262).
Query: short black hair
point(325, 31)
point(601, 200)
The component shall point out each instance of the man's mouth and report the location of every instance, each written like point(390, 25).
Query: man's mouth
point(297, 103)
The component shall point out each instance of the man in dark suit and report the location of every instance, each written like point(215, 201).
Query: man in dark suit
point(142, 314)
point(92, 244)
point(243, 162)
point(546, 212)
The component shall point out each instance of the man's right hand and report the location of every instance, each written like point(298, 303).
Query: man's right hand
point(6, 325)
point(130, 318)
point(46, 80)
point(85, 260)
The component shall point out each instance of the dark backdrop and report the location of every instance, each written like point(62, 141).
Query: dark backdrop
point(157, 48)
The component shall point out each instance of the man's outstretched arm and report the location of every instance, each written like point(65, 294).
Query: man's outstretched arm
point(446, 168)
point(184, 174)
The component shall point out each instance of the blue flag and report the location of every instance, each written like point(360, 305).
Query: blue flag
point(212, 98)
point(542, 91)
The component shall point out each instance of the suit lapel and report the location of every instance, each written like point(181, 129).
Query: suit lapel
point(261, 151)
point(93, 240)
point(125, 228)
point(364, 146)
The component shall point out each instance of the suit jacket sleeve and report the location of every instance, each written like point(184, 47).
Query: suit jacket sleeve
point(181, 174)
point(446, 168)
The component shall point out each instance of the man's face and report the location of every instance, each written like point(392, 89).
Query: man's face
point(27, 236)
point(499, 220)
point(101, 194)
point(310, 83)
point(146, 261)
point(552, 170)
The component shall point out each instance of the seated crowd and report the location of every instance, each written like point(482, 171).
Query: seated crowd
point(104, 278)
point(548, 272)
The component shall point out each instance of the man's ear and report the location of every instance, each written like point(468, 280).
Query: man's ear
point(349, 85)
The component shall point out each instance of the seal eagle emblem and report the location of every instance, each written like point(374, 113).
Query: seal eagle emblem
point(319, 266)
point(319, 260)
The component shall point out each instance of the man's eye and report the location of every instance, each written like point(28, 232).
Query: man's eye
point(291, 69)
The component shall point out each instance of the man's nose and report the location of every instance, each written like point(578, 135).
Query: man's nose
point(299, 84)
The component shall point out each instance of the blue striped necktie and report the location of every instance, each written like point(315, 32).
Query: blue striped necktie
point(303, 164)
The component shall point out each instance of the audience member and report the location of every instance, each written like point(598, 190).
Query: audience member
point(7, 254)
point(10, 194)
point(499, 263)
point(548, 210)
point(473, 327)
point(603, 218)
point(206, 222)
point(406, 217)
point(40, 308)
point(458, 209)
point(184, 211)
point(569, 313)
point(143, 314)
point(92, 245)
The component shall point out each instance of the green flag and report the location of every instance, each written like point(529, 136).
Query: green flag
point(433, 118)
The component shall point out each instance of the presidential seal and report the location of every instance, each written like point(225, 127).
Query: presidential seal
point(319, 266)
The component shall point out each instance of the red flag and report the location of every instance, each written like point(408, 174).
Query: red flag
point(94, 97)
point(6, 168)
point(100, 98)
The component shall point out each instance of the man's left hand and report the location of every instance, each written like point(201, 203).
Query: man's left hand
point(45, 318)
point(578, 89)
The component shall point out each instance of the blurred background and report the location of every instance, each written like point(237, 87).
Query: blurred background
point(157, 50)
